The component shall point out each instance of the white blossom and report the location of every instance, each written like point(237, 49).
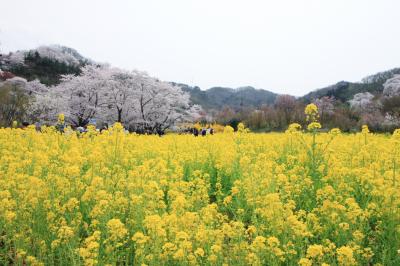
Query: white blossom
point(392, 87)
point(362, 101)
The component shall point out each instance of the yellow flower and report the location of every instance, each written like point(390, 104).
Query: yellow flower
point(117, 127)
point(234, 191)
point(368, 253)
point(33, 261)
point(227, 200)
point(311, 112)
point(305, 262)
point(90, 249)
point(251, 230)
point(212, 258)
point(313, 126)
point(345, 256)
point(344, 226)
point(259, 243)
point(117, 231)
point(169, 247)
point(358, 235)
point(216, 249)
point(228, 130)
point(294, 127)
point(65, 233)
point(335, 131)
point(365, 129)
point(179, 254)
point(10, 216)
point(140, 238)
point(273, 241)
point(396, 134)
point(192, 259)
point(239, 199)
point(61, 118)
point(242, 128)
point(315, 251)
point(199, 252)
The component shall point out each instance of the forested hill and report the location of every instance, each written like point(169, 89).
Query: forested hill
point(218, 97)
point(45, 63)
point(344, 90)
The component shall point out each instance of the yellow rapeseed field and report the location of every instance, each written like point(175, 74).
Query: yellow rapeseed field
point(293, 198)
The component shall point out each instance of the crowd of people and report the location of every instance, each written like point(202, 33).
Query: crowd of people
point(203, 132)
point(61, 126)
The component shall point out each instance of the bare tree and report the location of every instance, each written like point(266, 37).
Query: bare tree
point(286, 105)
point(325, 107)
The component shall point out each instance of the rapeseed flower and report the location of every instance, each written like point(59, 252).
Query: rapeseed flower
point(234, 199)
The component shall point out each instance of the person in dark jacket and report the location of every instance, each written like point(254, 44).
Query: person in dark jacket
point(160, 132)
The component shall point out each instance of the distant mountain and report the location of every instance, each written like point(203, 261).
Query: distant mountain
point(345, 90)
point(217, 97)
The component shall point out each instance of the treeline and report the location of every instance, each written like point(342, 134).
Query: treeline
point(380, 112)
point(37, 85)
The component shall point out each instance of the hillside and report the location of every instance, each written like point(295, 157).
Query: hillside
point(345, 90)
point(46, 63)
point(218, 97)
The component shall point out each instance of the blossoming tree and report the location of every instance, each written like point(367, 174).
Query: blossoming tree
point(131, 97)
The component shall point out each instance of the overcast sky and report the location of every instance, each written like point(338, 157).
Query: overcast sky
point(287, 46)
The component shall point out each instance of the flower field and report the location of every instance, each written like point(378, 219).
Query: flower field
point(294, 198)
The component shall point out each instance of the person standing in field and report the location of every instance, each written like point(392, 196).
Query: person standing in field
point(60, 126)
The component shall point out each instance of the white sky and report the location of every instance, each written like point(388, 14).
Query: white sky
point(287, 46)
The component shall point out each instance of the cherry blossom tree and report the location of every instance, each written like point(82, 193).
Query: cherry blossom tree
point(392, 87)
point(159, 105)
point(114, 95)
point(362, 102)
point(391, 100)
point(80, 97)
point(119, 95)
point(45, 103)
